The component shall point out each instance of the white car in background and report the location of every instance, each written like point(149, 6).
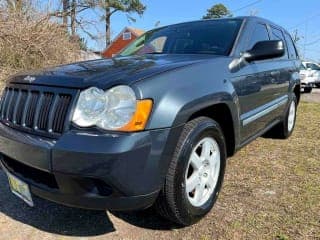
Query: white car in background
point(312, 72)
point(307, 81)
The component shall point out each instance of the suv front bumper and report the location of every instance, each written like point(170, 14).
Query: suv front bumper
point(91, 170)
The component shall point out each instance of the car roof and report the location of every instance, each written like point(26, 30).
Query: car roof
point(246, 18)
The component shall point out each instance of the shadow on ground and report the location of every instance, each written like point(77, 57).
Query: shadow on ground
point(53, 218)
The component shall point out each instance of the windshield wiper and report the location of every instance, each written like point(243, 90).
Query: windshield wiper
point(155, 53)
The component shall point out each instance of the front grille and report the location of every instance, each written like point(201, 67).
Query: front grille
point(35, 110)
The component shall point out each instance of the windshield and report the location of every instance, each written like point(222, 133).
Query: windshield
point(206, 37)
point(313, 66)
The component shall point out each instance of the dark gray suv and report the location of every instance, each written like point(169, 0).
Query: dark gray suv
point(154, 125)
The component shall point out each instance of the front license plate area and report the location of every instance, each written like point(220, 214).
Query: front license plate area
point(20, 189)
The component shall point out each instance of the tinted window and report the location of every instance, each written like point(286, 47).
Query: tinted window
point(260, 33)
point(291, 48)
point(278, 35)
point(208, 37)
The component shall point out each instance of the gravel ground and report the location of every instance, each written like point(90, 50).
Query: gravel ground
point(258, 200)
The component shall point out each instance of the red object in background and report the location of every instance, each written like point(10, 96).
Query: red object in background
point(124, 38)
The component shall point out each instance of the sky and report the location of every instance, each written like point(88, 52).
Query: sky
point(303, 16)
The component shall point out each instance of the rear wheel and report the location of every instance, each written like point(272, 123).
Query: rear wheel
point(195, 173)
point(307, 90)
point(285, 128)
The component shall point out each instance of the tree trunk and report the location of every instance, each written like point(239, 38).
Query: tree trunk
point(108, 17)
point(15, 5)
point(65, 4)
point(19, 5)
point(73, 17)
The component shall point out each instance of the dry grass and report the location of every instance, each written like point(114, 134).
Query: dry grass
point(30, 41)
point(272, 187)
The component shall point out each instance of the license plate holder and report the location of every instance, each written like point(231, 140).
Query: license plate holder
point(20, 189)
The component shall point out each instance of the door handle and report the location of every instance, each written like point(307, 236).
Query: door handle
point(275, 73)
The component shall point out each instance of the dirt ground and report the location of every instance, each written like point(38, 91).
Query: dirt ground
point(271, 191)
point(314, 96)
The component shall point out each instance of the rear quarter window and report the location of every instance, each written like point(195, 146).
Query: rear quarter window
point(278, 35)
point(292, 51)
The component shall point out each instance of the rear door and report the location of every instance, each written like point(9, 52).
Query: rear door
point(294, 60)
point(285, 66)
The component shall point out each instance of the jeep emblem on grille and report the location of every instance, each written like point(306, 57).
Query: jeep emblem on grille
point(29, 79)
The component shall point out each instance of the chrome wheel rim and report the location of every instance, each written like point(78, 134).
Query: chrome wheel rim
point(203, 171)
point(291, 116)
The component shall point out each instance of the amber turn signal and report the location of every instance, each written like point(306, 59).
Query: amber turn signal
point(140, 118)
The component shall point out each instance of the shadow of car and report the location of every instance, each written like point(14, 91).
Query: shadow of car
point(57, 219)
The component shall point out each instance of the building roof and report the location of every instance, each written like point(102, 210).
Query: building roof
point(136, 31)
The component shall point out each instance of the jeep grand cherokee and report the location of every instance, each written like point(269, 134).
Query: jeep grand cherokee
point(154, 125)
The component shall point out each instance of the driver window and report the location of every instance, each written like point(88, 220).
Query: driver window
point(260, 33)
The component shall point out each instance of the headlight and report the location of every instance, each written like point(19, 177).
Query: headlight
point(115, 109)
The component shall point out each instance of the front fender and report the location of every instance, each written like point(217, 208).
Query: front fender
point(180, 93)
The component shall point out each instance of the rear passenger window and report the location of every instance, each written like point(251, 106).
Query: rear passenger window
point(278, 35)
point(291, 48)
point(260, 33)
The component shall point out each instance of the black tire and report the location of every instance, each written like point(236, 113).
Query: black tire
point(317, 85)
point(173, 203)
point(281, 131)
point(307, 90)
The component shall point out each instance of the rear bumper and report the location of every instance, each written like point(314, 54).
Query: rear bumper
point(90, 170)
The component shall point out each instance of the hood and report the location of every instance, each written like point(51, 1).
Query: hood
point(105, 73)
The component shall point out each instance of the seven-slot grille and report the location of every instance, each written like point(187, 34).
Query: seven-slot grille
point(34, 110)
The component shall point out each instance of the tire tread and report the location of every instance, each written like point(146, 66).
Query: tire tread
point(166, 204)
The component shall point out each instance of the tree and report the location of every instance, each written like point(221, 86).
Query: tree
point(73, 12)
point(70, 9)
point(295, 36)
point(16, 5)
point(126, 6)
point(217, 11)
point(65, 9)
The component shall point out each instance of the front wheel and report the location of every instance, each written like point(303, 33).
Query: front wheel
point(195, 174)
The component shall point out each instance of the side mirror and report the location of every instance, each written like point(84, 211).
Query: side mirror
point(265, 50)
point(309, 69)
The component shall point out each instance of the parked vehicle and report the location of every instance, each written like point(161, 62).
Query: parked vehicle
point(155, 125)
point(307, 80)
point(313, 72)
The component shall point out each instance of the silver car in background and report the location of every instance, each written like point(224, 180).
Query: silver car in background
point(310, 75)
